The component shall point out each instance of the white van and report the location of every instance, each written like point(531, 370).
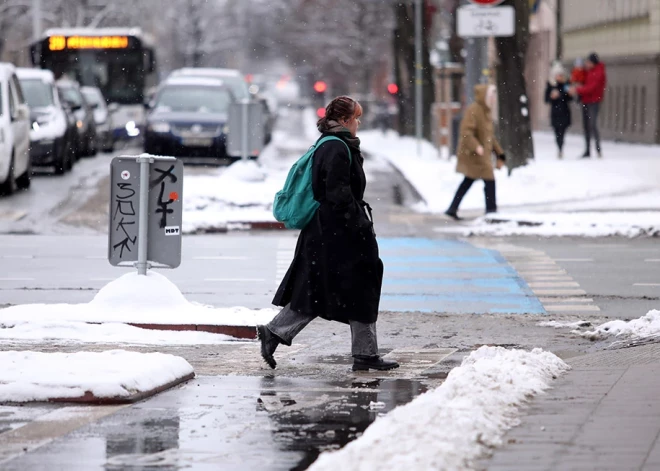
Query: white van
point(15, 167)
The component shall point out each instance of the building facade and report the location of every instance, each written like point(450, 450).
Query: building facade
point(626, 36)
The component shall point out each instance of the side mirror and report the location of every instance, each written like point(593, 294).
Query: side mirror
point(75, 107)
point(113, 107)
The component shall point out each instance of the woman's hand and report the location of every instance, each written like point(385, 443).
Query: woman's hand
point(554, 94)
point(480, 150)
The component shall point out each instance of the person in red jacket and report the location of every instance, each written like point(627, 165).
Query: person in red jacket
point(591, 95)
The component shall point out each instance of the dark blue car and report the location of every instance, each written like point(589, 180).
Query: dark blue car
point(188, 118)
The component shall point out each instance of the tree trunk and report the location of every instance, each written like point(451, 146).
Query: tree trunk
point(514, 122)
point(404, 69)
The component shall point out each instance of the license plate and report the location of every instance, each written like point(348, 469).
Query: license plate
point(197, 142)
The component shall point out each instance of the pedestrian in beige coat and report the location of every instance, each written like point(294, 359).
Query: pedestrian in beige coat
point(477, 143)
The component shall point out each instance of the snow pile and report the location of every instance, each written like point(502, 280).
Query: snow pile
point(645, 327)
point(241, 193)
point(35, 376)
point(628, 170)
point(132, 298)
point(449, 427)
point(580, 224)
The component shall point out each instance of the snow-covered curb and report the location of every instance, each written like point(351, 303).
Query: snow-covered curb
point(579, 224)
point(35, 376)
point(451, 426)
point(150, 300)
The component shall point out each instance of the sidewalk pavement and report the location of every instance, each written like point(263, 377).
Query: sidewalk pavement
point(604, 414)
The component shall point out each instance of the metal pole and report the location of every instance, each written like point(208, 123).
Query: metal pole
point(419, 99)
point(143, 216)
point(244, 134)
point(36, 19)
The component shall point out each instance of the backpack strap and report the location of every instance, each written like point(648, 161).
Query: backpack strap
point(334, 138)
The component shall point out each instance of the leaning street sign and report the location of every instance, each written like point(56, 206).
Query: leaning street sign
point(477, 22)
point(164, 191)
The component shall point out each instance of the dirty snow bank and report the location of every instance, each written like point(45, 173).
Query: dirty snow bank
point(151, 299)
point(449, 427)
point(35, 376)
point(636, 329)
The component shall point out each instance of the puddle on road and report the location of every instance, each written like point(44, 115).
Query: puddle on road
point(212, 423)
point(342, 418)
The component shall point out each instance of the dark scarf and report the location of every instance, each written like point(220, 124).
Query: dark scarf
point(333, 127)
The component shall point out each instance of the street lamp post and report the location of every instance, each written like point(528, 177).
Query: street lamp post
point(36, 19)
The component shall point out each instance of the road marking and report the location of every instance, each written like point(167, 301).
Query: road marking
point(570, 308)
point(16, 279)
point(565, 300)
point(559, 292)
point(220, 257)
point(574, 259)
point(652, 260)
point(555, 284)
point(646, 284)
point(20, 257)
point(527, 273)
point(550, 278)
point(236, 280)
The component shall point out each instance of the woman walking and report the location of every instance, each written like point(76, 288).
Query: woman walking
point(476, 145)
point(556, 94)
point(336, 273)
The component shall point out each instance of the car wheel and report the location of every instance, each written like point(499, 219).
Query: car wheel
point(9, 185)
point(23, 182)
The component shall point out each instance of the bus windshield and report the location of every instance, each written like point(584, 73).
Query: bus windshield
point(38, 93)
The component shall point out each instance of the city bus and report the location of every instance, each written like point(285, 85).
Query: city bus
point(119, 61)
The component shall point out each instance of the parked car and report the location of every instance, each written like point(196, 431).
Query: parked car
point(188, 118)
point(239, 86)
point(51, 133)
point(15, 165)
point(71, 94)
point(102, 117)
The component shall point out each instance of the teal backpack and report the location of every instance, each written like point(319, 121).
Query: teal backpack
point(295, 205)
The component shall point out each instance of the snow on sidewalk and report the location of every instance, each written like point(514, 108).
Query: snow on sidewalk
point(602, 189)
point(554, 224)
point(117, 374)
point(451, 426)
point(132, 298)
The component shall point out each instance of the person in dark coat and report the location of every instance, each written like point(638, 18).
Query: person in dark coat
point(336, 273)
point(557, 96)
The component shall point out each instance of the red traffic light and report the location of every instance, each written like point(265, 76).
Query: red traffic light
point(320, 112)
point(320, 86)
point(393, 88)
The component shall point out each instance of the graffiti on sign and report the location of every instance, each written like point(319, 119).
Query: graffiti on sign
point(165, 176)
point(124, 218)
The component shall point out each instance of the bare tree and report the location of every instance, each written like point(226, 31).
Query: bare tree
point(514, 122)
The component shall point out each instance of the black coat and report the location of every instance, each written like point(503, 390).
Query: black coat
point(336, 272)
point(560, 112)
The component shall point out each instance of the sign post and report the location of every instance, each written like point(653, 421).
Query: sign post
point(145, 212)
point(246, 129)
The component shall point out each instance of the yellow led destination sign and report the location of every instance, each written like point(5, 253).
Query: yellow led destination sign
point(60, 43)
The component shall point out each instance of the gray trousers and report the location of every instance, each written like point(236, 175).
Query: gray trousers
point(289, 323)
point(590, 124)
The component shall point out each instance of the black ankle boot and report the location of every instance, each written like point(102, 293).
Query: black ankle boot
point(453, 215)
point(373, 363)
point(269, 343)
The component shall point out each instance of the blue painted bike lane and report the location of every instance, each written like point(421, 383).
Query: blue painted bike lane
point(446, 276)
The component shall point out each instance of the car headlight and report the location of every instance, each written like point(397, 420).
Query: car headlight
point(35, 125)
point(160, 127)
